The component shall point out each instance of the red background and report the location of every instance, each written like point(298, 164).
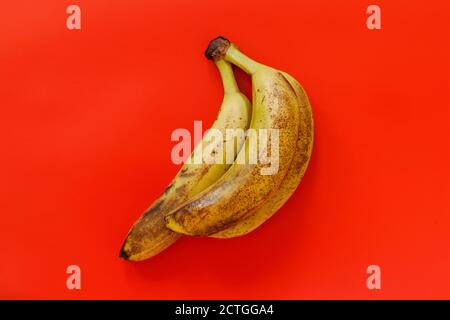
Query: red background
point(85, 125)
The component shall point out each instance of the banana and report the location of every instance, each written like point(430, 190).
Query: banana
point(149, 235)
point(243, 188)
point(258, 216)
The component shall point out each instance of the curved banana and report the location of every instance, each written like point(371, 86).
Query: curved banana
point(149, 235)
point(243, 187)
point(258, 216)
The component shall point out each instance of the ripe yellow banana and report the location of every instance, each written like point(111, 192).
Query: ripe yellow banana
point(243, 188)
point(149, 235)
point(258, 216)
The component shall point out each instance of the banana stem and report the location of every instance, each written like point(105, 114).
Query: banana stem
point(222, 49)
point(239, 59)
point(227, 75)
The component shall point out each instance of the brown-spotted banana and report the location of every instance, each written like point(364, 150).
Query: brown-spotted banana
point(149, 235)
point(258, 216)
point(245, 187)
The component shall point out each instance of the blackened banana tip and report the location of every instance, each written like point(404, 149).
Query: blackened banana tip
point(123, 254)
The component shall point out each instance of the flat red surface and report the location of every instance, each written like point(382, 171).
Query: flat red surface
point(85, 125)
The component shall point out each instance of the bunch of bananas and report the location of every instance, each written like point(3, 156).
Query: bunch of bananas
point(225, 200)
